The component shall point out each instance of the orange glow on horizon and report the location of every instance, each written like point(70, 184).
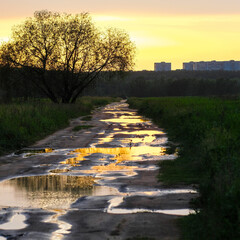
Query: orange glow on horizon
point(170, 38)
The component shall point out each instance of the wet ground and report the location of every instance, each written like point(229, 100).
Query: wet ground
point(96, 183)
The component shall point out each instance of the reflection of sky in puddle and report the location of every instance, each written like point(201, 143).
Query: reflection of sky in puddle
point(114, 159)
point(49, 191)
point(138, 140)
point(63, 227)
point(135, 144)
point(16, 222)
point(179, 212)
point(158, 192)
point(116, 201)
point(141, 136)
point(118, 154)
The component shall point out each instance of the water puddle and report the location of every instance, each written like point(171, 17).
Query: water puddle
point(179, 212)
point(115, 202)
point(60, 170)
point(16, 222)
point(55, 193)
point(124, 120)
point(28, 152)
point(48, 191)
point(63, 227)
point(123, 148)
point(157, 192)
point(115, 154)
point(118, 159)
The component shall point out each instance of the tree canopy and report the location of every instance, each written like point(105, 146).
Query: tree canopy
point(64, 53)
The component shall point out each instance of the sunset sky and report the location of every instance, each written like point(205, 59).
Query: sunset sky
point(163, 30)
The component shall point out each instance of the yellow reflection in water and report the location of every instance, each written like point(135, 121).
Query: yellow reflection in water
point(118, 155)
point(48, 150)
point(140, 136)
point(113, 167)
point(143, 150)
point(74, 161)
point(35, 152)
point(130, 117)
point(145, 139)
point(124, 120)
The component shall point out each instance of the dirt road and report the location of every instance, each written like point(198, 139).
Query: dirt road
point(96, 183)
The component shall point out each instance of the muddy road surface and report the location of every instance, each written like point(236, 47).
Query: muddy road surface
point(95, 183)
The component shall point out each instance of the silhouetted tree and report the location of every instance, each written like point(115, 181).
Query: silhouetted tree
point(69, 46)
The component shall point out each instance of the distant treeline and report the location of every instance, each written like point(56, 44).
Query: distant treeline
point(17, 83)
point(161, 84)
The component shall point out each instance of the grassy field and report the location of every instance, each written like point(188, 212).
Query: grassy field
point(206, 134)
point(22, 123)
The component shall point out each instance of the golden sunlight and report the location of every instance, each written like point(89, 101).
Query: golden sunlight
point(179, 38)
point(173, 38)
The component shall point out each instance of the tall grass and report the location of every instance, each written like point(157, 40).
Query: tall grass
point(207, 131)
point(22, 123)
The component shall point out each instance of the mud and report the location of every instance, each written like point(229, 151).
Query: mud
point(96, 183)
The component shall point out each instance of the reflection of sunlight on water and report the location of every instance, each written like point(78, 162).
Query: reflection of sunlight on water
point(32, 152)
point(113, 167)
point(116, 157)
point(179, 212)
point(119, 154)
point(114, 202)
point(124, 120)
point(136, 140)
point(63, 227)
point(131, 117)
point(74, 161)
point(163, 192)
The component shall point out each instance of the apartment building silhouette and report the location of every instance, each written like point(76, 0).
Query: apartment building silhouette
point(212, 66)
point(162, 66)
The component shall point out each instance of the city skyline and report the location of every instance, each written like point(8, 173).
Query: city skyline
point(213, 65)
point(163, 31)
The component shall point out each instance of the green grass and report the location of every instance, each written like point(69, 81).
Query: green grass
point(23, 123)
point(207, 133)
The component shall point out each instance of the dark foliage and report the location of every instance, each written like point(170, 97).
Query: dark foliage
point(207, 132)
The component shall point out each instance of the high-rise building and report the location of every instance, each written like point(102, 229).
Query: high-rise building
point(212, 66)
point(188, 66)
point(162, 66)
